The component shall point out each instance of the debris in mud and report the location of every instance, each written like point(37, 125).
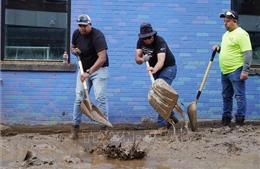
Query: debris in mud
point(72, 160)
point(222, 130)
point(227, 129)
point(31, 159)
point(113, 151)
point(6, 130)
point(112, 147)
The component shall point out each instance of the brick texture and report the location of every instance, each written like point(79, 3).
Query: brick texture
point(190, 29)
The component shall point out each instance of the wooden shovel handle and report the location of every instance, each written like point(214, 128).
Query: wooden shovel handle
point(206, 74)
point(150, 73)
point(84, 82)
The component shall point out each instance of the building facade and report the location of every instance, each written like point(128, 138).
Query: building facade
point(36, 88)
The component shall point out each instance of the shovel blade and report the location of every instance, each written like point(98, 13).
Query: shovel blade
point(163, 98)
point(159, 106)
point(94, 114)
point(180, 111)
point(192, 114)
point(85, 109)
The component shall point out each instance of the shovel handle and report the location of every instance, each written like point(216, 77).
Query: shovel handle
point(206, 74)
point(150, 73)
point(84, 82)
point(82, 72)
point(213, 55)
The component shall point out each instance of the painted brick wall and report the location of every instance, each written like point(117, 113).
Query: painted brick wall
point(190, 28)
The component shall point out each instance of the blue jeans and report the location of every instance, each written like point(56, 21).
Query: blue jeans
point(231, 84)
point(99, 82)
point(168, 74)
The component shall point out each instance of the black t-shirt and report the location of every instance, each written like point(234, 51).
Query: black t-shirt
point(158, 46)
point(90, 45)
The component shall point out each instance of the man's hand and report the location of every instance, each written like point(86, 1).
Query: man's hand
point(243, 76)
point(75, 51)
point(216, 47)
point(146, 57)
point(84, 76)
point(153, 71)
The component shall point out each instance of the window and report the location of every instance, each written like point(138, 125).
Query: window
point(35, 30)
point(249, 19)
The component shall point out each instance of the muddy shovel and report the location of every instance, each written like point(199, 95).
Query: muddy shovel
point(87, 107)
point(163, 98)
point(192, 107)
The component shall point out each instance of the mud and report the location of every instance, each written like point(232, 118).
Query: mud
point(49, 147)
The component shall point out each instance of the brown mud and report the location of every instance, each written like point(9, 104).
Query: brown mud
point(25, 146)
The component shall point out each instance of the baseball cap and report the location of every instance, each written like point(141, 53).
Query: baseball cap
point(229, 14)
point(83, 19)
point(146, 30)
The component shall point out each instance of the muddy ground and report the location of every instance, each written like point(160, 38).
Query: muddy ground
point(49, 147)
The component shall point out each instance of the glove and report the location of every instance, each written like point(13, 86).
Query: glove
point(146, 57)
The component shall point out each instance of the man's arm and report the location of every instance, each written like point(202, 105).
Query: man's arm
point(248, 55)
point(73, 49)
point(138, 56)
point(160, 62)
point(99, 62)
point(246, 66)
point(102, 57)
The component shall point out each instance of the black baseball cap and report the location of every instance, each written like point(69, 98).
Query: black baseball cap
point(229, 14)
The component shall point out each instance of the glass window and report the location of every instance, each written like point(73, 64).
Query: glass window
point(35, 30)
point(249, 19)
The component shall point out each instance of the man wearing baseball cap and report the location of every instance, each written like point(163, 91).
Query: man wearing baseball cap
point(229, 14)
point(90, 44)
point(235, 57)
point(154, 49)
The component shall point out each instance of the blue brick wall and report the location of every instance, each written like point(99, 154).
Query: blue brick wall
point(190, 28)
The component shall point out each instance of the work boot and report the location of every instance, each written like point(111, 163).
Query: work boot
point(226, 121)
point(162, 131)
point(240, 121)
point(174, 119)
point(74, 133)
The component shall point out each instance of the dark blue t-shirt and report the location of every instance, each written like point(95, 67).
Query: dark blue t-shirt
point(158, 46)
point(90, 45)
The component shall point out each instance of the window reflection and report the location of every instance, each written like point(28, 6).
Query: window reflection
point(36, 30)
point(249, 14)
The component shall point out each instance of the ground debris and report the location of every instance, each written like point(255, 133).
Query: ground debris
point(118, 151)
point(6, 130)
point(113, 151)
point(31, 159)
point(71, 159)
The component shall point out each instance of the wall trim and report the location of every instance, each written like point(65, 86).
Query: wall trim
point(37, 66)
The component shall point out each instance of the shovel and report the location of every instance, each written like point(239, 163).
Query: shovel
point(87, 107)
point(163, 98)
point(192, 107)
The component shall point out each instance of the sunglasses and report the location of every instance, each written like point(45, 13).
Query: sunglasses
point(83, 26)
point(149, 37)
point(228, 13)
point(83, 20)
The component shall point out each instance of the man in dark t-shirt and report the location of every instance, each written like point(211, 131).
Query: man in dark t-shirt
point(153, 48)
point(90, 44)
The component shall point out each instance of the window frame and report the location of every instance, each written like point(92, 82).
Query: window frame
point(235, 5)
point(39, 65)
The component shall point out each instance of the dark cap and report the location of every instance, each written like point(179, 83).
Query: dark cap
point(146, 30)
point(83, 19)
point(229, 14)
